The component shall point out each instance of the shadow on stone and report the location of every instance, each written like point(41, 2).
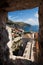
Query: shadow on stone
point(24, 62)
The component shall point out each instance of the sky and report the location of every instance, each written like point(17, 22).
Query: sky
point(29, 16)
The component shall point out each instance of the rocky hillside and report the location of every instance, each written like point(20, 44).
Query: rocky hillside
point(18, 24)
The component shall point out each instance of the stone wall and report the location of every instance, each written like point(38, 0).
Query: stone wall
point(4, 51)
point(41, 31)
point(41, 24)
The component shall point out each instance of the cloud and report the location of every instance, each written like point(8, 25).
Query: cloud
point(32, 21)
point(18, 20)
point(12, 17)
point(9, 17)
point(36, 14)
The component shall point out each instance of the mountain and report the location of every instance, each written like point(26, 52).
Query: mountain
point(18, 24)
point(26, 27)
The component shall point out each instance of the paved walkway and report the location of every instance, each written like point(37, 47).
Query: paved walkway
point(29, 53)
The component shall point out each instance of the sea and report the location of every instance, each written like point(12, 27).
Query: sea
point(34, 28)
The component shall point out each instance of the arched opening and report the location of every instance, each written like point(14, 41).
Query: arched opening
point(24, 28)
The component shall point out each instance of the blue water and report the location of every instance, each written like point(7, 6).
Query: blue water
point(32, 28)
